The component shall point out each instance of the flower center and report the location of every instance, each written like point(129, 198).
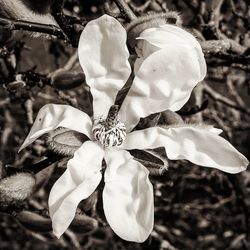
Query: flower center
point(110, 132)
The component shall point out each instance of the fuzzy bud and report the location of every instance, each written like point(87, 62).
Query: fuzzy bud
point(137, 26)
point(64, 141)
point(83, 224)
point(34, 222)
point(16, 188)
point(169, 117)
point(66, 80)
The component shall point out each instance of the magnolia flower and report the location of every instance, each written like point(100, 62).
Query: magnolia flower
point(164, 81)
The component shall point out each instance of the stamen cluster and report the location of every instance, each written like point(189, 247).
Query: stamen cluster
point(110, 132)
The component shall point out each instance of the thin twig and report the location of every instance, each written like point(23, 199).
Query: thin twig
point(32, 27)
point(141, 8)
point(37, 167)
point(107, 10)
point(125, 9)
point(233, 91)
point(64, 22)
point(220, 98)
point(222, 46)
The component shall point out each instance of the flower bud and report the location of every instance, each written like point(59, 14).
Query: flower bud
point(137, 26)
point(83, 224)
point(64, 141)
point(34, 222)
point(169, 117)
point(66, 80)
point(16, 188)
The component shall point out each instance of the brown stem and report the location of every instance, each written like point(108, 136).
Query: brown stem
point(220, 98)
point(64, 23)
point(123, 6)
point(37, 167)
point(10, 24)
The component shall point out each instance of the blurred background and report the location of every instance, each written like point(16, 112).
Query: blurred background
point(195, 207)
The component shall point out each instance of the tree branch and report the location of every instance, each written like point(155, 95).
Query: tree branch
point(10, 24)
point(124, 8)
point(39, 166)
point(69, 29)
point(220, 98)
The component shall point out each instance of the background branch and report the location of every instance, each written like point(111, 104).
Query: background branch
point(10, 24)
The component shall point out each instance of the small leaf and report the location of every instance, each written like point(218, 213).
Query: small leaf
point(149, 121)
point(88, 203)
point(154, 160)
point(43, 176)
point(189, 104)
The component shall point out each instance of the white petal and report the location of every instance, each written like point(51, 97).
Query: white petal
point(168, 34)
point(217, 131)
point(196, 144)
point(128, 197)
point(164, 81)
point(78, 182)
point(103, 55)
point(52, 116)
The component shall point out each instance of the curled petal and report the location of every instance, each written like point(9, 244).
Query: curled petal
point(103, 55)
point(52, 116)
point(128, 197)
point(164, 81)
point(199, 145)
point(78, 182)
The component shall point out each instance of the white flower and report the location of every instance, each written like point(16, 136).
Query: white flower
point(164, 81)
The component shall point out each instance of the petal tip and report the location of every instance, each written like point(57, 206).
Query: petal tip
point(24, 145)
point(246, 163)
point(241, 168)
point(57, 234)
point(140, 237)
